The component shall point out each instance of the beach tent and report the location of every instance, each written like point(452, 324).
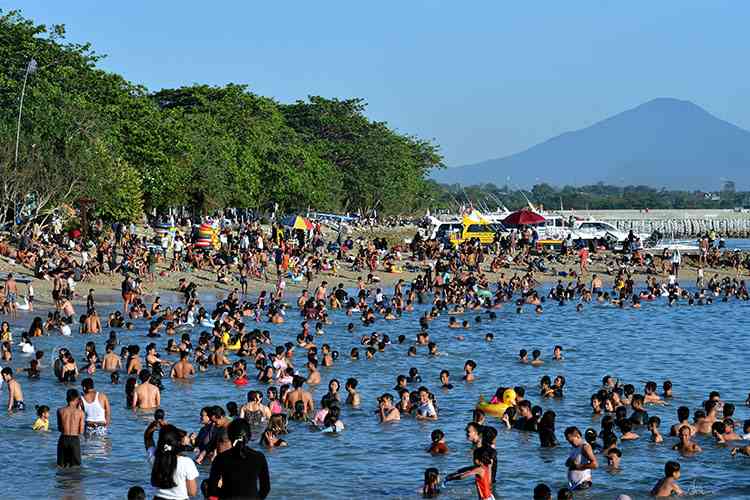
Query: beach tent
point(297, 222)
point(523, 217)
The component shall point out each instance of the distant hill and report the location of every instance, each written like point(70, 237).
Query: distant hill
point(662, 143)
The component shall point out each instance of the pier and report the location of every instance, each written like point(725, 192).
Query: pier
point(676, 223)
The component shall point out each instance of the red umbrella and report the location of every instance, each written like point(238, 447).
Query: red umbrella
point(523, 217)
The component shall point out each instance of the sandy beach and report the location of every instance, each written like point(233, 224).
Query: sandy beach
point(107, 286)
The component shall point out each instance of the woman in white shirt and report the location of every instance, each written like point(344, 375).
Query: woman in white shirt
point(175, 477)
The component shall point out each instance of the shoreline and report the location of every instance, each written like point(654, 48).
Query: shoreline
point(107, 287)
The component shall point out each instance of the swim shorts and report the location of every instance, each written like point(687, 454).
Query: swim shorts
point(96, 430)
point(68, 451)
point(19, 406)
point(12, 297)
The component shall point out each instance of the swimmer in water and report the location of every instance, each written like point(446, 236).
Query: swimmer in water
point(352, 398)
point(683, 419)
point(386, 411)
point(536, 358)
point(653, 427)
point(686, 444)
point(437, 446)
point(445, 380)
point(557, 353)
point(613, 458)
point(667, 486)
point(481, 472)
point(469, 368)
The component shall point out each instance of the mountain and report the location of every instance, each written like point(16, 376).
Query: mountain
point(661, 143)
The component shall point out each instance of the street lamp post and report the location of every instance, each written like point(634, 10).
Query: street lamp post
point(30, 70)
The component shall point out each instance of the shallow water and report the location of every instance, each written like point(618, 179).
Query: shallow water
point(699, 348)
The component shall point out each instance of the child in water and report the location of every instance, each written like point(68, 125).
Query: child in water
point(42, 421)
point(431, 488)
point(438, 446)
point(667, 485)
point(481, 471)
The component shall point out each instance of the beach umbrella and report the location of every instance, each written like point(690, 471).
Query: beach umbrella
point(297, 222)
point(523, 217)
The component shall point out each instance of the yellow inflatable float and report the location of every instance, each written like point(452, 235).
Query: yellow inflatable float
point(498, 409)
point(225, 339)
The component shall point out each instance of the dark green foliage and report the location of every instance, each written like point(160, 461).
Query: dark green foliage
point(200, 146)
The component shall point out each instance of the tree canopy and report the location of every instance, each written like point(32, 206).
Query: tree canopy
point(90, 133)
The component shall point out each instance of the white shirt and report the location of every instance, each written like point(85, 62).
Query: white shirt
point(676, 257)
point(184, 472)
point(280, 364)
point(426, 409)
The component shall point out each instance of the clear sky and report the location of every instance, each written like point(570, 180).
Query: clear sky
point(483, 78)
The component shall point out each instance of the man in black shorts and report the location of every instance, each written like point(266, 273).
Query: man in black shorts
point(70, 423)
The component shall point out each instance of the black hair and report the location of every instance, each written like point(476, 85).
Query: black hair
point(239, 434)
point(165, 458)
point(542, 492)
point(71, 395)
point(683, 413)
point(728, 409)
point(489, 434)
point(670, 468)
point(136, 493)
point(87, 384)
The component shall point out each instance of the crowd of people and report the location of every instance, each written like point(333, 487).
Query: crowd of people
point(236, 335)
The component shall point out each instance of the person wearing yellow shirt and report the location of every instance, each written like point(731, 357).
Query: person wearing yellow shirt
point(42, 421)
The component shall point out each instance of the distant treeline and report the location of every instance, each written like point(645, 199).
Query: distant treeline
point(90, 133)
point(597, 196)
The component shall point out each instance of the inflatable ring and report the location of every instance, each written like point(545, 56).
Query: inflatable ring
point(498, 409)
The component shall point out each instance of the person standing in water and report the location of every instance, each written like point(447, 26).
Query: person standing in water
point(147, 395)
point(239, 472)
point(667, 486)
point(70, 423)
point(96, 408)
point(581, 460)
point(182, 369)
point(15, 394)
point(11, 294)
point(111, 361)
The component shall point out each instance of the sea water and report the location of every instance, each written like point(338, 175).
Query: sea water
point(698, 348)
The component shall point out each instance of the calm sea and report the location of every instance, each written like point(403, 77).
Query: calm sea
point(698, 348)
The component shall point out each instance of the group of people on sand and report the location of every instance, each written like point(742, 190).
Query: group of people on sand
point(235, 336)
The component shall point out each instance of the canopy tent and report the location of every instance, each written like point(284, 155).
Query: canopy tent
point(297, 222)
point(523, 217)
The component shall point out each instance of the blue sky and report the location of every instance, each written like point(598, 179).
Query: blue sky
point(483, 79)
